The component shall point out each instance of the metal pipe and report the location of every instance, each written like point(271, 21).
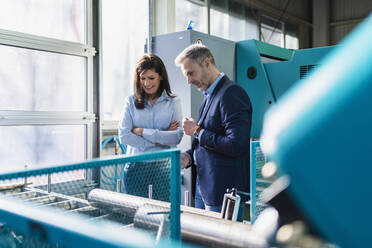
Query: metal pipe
point(12, 188)
point(118, 185)
point(45, 199)
point(187, 198)
point(208, 5)
point(64, 205)
point(25, 195)
point(196, 227)
point(149, 38)
point(49, 187)
point(111, 200)
point(25, 176)
point(346, 22)
point(150, 191)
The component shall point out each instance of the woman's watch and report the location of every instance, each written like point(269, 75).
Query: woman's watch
point(196, 133)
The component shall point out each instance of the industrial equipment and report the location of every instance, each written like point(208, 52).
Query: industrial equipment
point(266, 72)
point(39, 205)
point(316, 141)
point(32, 213)
point(318, 137)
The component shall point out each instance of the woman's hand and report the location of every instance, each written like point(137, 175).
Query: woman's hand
point(173, 126)
point(137, 131)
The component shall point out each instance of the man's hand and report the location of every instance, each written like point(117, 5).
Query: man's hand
point(137, 131)
point(189, 126)
point(173, 126)
point(185, 160)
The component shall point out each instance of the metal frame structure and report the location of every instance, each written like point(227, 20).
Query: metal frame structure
point(26, 221)
point(54, 228)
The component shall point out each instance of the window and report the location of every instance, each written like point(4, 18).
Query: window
point(291, 41)
point(220, 21)
point(191, 10)
point(278, 33)
point(37, 80)
point(47, 82)
point(271, 31)
point(232, 20)
point(59, 19)
point(291, 36)
point(35, 145)
point(242, 25)
point(124, 36)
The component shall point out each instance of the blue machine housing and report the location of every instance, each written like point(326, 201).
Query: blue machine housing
point(319, 135)
point(277, 69)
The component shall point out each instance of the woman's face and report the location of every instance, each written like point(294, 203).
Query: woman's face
point(150, 82)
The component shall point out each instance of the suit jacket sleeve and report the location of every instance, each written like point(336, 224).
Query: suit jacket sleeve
point(236, 117)
point(190, 152)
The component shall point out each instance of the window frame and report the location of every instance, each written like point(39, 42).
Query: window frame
point(89, 117)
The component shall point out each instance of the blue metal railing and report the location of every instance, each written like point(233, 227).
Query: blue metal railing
point(258, 183)
point(254, 145)
point(7, 216)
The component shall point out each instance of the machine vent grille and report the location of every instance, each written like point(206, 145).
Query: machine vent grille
point(306, 69)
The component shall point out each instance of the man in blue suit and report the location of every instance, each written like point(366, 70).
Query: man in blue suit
point(220, 149)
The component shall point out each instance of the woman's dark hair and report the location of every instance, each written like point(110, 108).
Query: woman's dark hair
point(147, 62)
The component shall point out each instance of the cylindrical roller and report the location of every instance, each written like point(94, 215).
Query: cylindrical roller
point(196, 227)
point(213, 232)
point(115, 202)
point(128, 204)
point(149, 216)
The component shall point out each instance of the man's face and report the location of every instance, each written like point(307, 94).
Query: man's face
point(196, 74)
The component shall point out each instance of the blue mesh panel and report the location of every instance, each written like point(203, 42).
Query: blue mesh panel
point(39, 206)
point(138, 177)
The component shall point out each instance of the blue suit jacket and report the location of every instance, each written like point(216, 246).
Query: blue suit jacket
point(223, 151)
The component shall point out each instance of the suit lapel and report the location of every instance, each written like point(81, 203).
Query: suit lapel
point(206, 108)
point(201, 110)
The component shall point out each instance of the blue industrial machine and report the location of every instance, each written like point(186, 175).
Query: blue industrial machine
point(319, 136)
point(266, 72)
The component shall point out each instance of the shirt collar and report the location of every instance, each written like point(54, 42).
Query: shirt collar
point(162, 97)
point(211, 88)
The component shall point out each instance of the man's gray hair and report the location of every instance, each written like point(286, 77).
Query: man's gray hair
point(197, 52)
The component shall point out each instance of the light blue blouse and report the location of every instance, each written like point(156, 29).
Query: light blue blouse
point(155, 121)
